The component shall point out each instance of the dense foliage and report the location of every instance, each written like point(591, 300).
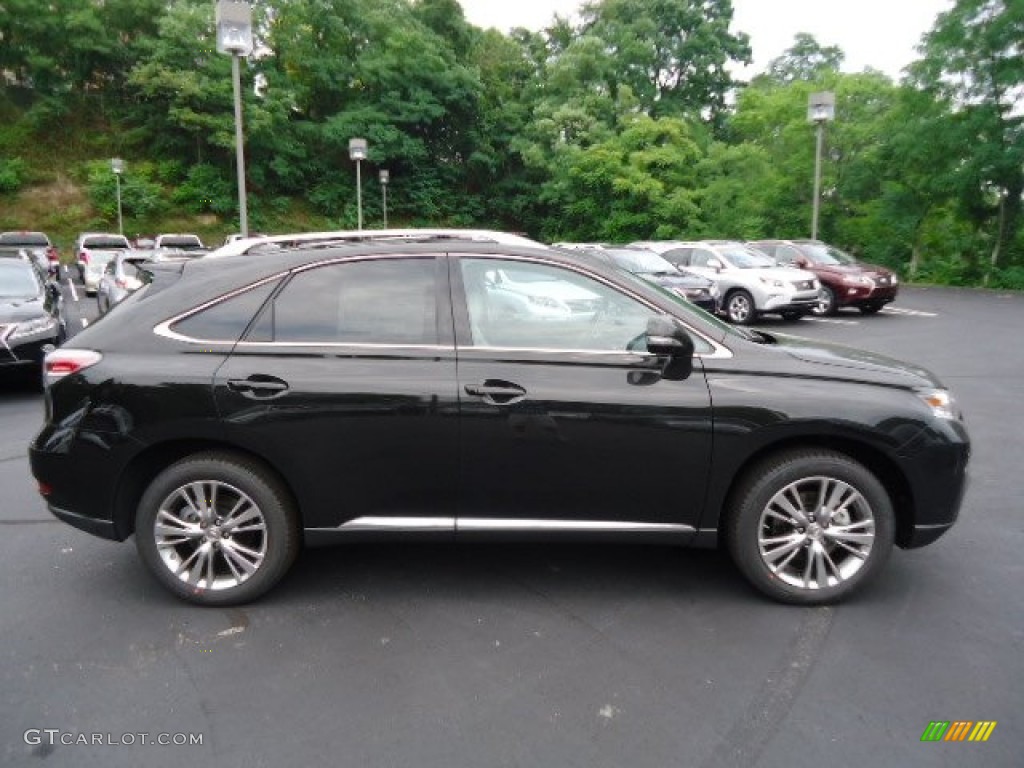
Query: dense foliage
point(625, 125)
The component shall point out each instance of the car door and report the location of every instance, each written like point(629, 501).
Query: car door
point(567, 423)
point(346, 383)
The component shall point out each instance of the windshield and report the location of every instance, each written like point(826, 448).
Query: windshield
point(825, 254)
point(641, 262)
point(18, 281)
point(183, 242)
point(746, 258)
point(24, 238)
point(105, 242)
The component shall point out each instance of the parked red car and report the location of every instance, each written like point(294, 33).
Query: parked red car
point(845, 282)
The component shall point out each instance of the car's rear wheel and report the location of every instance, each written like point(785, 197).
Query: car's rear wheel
point(826, 302)
point(810, 527)
point(739, 308)
point(217, 529)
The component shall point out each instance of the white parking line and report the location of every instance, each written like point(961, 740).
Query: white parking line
point(832, 320)
point(71, 287)
point(907, 312)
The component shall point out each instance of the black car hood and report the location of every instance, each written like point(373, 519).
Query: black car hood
point(18, 310)
point(871, 366)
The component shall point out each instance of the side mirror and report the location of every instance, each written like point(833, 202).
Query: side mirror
point(715, 264)
point(666, 338)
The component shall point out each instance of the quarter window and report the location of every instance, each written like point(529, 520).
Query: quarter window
point(226, 320)
point(379, 301)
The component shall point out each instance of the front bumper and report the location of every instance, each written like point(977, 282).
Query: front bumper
point(805, 301)
point(24, 354)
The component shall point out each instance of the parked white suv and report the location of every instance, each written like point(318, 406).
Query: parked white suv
point(179, 242)
point(751, 283)
point(96, 241)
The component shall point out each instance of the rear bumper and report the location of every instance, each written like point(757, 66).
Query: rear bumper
point(102, 528)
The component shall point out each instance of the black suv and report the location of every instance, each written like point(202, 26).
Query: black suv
point(234, 409)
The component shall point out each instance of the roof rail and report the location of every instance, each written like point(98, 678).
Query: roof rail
point(322, 239)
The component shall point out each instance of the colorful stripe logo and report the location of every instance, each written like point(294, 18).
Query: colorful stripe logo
point(958, 730)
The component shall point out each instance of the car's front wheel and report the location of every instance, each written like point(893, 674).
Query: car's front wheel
point(810, 527)
point(739, 308)
point(217, 529)
point(827, 304)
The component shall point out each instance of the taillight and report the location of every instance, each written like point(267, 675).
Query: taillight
point(83, 257)
point(51, 254)
point(120, 283)
point(63, 362)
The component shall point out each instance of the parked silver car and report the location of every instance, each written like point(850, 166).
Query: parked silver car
point(751, 282)
point(120, 277)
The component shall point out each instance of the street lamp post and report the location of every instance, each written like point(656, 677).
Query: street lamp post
point(117, 166)
point(357, 149)
point(821, 108)
point(385, 177)
point(234, 37)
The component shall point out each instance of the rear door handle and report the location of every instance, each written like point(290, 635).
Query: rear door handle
point(259, 387)
point(497, 392)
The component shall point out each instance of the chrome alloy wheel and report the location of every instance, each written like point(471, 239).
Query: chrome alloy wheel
point(816, 533)
point(210, 535)
point(740, 308)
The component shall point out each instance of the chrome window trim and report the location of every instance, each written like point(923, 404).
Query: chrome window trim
point(720, 352)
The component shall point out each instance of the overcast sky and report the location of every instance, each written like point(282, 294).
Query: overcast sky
point(878, 33)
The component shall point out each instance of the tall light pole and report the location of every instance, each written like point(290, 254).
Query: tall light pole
point(117, 166)
point(821, 108)
point(357, 150)
point(385, 177)
point(234, 36)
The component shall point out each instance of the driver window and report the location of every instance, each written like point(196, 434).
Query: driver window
point(524, 305)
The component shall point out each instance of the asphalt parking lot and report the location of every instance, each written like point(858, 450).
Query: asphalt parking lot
point(539, 655)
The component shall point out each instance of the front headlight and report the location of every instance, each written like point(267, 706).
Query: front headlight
point(772, 282)
point(941, 402)
point(32, 327)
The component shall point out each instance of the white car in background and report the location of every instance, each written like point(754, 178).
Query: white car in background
point(751, 282)
point(89, 242)
point(93, 269)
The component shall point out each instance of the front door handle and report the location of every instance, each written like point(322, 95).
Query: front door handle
point(259, 387)
point(497, 392)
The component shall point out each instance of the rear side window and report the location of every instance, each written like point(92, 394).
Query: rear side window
point(380, 301)
point(226, 320)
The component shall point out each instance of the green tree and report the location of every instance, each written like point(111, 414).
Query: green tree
point(972, 58)
point(673, 55)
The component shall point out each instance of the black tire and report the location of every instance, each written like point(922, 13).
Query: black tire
point(871, 309)
point(786, 558)
point(827, 306)
point(739, 308)
point(265, 536)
